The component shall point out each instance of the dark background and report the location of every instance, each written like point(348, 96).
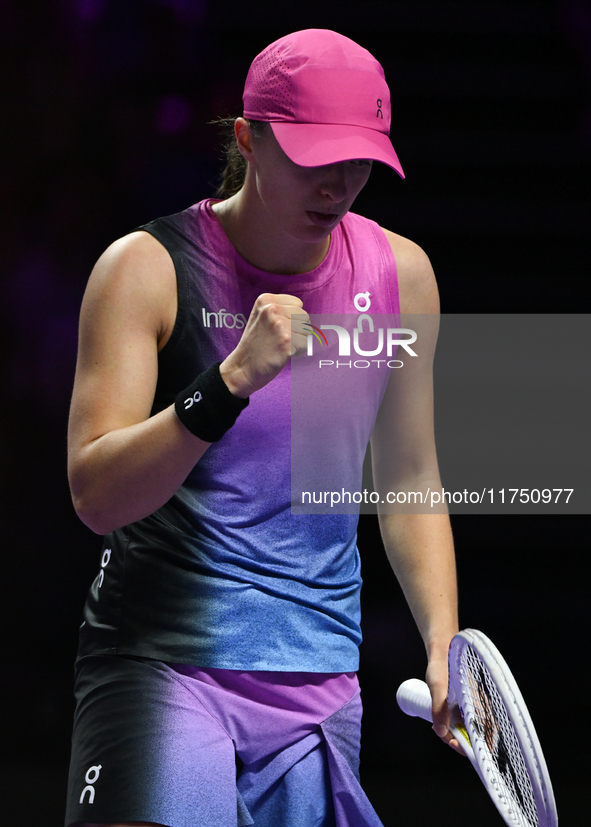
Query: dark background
point(105, 112)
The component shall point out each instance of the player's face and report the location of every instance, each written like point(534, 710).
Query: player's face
point(305, 202)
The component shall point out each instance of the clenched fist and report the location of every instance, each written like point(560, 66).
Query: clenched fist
point(270, 338)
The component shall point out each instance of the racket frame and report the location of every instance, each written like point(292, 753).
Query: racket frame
point(414, 699)
point(520, 719)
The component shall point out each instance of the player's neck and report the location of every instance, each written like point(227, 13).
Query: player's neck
point(258, 239)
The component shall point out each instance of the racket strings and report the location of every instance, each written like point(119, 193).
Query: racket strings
point(492, 726)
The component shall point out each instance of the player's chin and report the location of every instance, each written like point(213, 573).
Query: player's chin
point(313, 234)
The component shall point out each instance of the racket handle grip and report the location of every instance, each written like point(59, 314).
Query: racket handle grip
point(414, 699)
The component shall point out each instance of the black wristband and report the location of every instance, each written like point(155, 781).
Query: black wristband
point(207, 407)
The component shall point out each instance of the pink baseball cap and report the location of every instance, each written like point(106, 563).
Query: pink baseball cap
point(325, 97)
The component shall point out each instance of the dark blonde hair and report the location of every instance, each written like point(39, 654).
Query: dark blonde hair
point(234, 173)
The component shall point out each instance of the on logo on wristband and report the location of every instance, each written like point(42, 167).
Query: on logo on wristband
point(192, 400)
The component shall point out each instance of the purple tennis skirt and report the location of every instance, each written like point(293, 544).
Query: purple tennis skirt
point(190, 747)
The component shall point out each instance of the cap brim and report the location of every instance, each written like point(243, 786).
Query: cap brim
point(317, 144)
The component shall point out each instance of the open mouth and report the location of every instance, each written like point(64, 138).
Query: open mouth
point(322, 219)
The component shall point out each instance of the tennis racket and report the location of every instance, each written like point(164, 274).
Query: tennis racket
point(491, 722)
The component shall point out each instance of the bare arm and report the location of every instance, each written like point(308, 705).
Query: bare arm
point(123, 464)
point(419, 546)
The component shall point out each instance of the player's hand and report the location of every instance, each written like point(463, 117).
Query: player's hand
point(437, 680)
point(271, 337)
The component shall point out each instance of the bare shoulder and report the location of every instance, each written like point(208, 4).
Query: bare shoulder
point(128, 313)
point(416, 279)
point(135, 278)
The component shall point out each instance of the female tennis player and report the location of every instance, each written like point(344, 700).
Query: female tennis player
point(216, 679)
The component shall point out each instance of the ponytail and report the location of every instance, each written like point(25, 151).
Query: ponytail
point(234, 173)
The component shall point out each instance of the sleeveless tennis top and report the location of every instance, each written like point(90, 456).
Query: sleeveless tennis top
point(224, 574)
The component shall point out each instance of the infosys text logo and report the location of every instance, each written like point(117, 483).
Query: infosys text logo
point(222, 318)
